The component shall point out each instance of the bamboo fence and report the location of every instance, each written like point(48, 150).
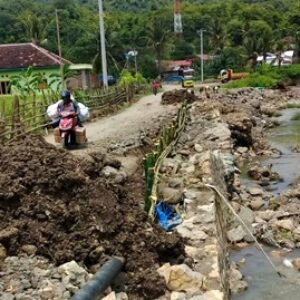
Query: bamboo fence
point(160, 150)
point(28, 115)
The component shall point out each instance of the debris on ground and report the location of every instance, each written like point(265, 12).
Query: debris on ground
point(178, 96)
point(71, 208)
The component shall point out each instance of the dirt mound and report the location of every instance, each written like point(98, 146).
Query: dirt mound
point(177, 96)
point(64, 207)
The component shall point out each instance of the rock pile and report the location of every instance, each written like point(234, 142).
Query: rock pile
point(33, 277)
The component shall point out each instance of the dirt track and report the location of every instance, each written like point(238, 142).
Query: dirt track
point(125, 125)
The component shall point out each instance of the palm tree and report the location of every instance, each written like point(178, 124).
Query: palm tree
point(35, 26)
point(218, 35)
point(280, 46)
point(258, 39)
point(158, 38)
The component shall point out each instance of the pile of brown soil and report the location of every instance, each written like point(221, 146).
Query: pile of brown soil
point(63, 206)
point(177, 96)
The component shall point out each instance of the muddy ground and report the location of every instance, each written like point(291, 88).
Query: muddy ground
point(66, 208)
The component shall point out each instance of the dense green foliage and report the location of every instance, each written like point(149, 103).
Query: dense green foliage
point(237, 31)
point(267, 77)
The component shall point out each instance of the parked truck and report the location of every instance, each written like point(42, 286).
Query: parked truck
point(227, 75)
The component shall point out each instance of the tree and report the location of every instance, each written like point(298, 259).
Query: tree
point(35, 26)
point(218, 35)
point(236, 32)
point(159, 37)
point(258, 39)
point(183, 49)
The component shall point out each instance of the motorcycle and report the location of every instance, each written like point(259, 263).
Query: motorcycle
point(67, 128)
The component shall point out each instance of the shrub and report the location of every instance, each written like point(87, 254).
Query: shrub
point(128, 79)
point(296, 116)
point(267, 76)
point(254, 80)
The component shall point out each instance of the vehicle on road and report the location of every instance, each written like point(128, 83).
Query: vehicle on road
point(228, 75)
point(111, 80)
point(188, 78)
point(68, 133)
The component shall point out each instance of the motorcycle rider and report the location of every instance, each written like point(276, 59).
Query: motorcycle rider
point(68, 104)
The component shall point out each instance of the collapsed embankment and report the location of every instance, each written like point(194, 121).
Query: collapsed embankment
point(69, 208)
point(224, 129)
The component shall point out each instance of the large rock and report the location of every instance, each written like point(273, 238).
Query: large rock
point(198, 148)
point(3, 252)
point(175, 183)
point(255, 191)
point(172, 196)
point(242, 150)
point(29, 249)
point(111, 296)
point(266, 215)
point(71, 272)
point(177, 296)
point(7, 296)
point(247, 215)
point(115, 175)
point(236, 234)
point(296, 263)
point(296, 234)
point(237, 285)
point(257, 204)
point(287, 224)
point(181, 277)
point(213, 295)
point(8, 233)
point(186, 232)
point(46, 293)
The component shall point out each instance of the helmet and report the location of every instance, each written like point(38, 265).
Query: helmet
point(66, 95)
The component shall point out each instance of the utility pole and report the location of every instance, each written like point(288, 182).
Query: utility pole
point(102, 42)
point(135, 60)
point(177, 19)
point(201, 48)
point(59, 50)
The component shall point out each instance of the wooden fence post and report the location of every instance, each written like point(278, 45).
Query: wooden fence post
point(16, 119)
point(2, 129)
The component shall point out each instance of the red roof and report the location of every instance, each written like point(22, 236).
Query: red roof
point(171, 65)
point(19, 56)
point(184, 63)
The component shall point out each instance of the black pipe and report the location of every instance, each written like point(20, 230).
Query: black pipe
point(101, 280)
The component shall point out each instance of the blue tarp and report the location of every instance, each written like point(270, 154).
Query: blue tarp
point(165, 216)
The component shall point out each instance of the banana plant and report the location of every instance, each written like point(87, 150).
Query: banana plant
point(25, 83)
point(56, 81)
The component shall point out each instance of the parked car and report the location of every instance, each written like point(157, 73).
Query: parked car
point(173, 78)
point(111, 80)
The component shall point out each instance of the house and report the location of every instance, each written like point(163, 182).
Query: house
point(170, 68)
point(287, 58)
point(16, 58)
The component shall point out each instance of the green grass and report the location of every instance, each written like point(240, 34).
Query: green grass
point(254, 80)
point(267, 77)
point(277, 114)
point(6, 105)
point(290, 105)
point(296, 116)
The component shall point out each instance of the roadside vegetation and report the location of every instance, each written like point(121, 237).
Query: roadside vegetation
point(237, 31)
point(268, 77)
point(296, 116)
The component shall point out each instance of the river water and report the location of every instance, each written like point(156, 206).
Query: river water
point(263, 282)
